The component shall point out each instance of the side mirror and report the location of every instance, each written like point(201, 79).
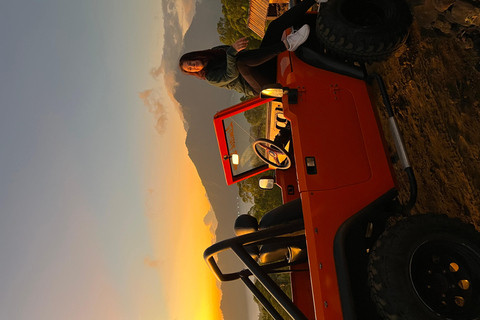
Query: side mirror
point(266, 183)
point(275, 90)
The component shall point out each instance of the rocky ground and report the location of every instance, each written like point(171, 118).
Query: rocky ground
point(434, 85)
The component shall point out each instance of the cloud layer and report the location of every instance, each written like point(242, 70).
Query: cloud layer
point(151, 99)
point(177, 18)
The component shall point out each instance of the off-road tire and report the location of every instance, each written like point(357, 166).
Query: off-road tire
point(426, 267)
point(363, 31)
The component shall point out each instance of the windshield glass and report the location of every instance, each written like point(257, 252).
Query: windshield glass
point(241, 130)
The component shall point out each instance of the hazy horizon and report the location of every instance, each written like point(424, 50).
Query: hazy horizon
point(105, 213)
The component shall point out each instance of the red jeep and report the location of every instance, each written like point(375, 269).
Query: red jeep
point(352, 249)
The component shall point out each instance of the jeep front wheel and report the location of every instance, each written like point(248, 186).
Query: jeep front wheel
point(427, 267)
point(364, 31)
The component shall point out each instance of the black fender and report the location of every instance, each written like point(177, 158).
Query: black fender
point(352, 242)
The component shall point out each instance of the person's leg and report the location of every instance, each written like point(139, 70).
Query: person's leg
point(259, 76)
point(258, 67)
point(289, 18)
point(255, 57)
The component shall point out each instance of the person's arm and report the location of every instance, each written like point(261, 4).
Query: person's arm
point(231, 71)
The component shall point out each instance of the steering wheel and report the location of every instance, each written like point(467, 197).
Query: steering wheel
point(270, 153)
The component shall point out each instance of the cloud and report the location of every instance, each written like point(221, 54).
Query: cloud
point(182, 11)
point(210, 221)
point(178, 16)
point(152, 263)
point(156, 72)
point(152, 101)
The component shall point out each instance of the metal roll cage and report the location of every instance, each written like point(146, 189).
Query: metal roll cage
point(285, 233)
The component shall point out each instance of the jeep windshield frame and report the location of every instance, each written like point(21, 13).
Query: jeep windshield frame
point(236, 129)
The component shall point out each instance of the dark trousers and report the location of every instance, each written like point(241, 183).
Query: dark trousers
point(257, 66)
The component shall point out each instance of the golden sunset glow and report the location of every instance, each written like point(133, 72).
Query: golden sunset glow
point(182, 226)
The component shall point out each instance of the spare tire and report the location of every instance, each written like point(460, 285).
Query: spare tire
point(363, 31)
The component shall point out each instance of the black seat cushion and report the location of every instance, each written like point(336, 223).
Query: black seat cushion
point(245, 224)
point(285, 213)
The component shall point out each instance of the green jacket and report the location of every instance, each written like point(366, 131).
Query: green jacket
point(224, 74)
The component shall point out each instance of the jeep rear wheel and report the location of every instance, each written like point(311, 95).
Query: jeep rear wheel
point(427, 267)
point(363, 30)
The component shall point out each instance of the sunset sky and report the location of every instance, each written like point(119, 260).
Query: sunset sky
point(99, 201)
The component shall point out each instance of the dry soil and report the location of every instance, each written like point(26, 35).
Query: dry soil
point(434, 86)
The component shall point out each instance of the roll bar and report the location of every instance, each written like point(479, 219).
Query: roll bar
point(284, 233)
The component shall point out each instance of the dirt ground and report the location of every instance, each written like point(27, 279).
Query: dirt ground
point(434, 86)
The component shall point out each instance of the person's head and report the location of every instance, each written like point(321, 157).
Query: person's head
point(195, 63)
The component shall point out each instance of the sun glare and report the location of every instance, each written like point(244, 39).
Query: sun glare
point(177, 213)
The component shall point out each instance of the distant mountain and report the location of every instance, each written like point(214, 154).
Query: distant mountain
point(200, 101)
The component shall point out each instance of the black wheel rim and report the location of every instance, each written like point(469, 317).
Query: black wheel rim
point(367, 14)
point(446, 277)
